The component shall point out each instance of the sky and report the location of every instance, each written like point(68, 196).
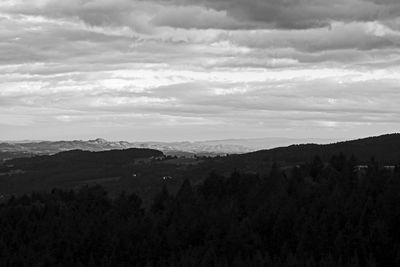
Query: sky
point(173, 70)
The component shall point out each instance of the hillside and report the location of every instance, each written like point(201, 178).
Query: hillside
point(386, 148)
point(73, 169)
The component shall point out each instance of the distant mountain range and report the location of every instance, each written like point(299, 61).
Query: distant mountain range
point(188, 149)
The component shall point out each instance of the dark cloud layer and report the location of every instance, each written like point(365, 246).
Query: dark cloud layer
point(223, 14)
point(296, 14)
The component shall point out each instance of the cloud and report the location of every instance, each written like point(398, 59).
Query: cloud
point(197, 17)
point(222, 14)
point(116, 13)
point(360, 36)
point(294, 14)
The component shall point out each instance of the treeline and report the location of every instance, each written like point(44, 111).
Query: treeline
point(317, 214)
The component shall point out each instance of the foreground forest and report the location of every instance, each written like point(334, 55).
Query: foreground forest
point(320, 213)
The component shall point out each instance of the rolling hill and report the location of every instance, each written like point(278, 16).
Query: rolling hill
point(386, 148)
point(144, 171)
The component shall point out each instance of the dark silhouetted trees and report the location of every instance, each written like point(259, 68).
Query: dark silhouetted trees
point(316, 214)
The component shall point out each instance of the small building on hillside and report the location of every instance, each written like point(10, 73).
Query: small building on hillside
point(360, 168)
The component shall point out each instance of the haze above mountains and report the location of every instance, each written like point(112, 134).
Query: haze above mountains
point(185, 148)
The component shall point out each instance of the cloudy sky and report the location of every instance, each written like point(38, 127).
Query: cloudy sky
point(198, 69)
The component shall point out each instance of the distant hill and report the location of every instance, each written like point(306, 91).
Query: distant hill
point(52, 147)
point(386, 148)
point(185, 149)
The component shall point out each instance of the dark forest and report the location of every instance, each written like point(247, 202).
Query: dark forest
point(334, 213)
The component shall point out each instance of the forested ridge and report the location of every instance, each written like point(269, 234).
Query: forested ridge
point(315, 214)
point(385, 147)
